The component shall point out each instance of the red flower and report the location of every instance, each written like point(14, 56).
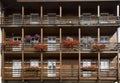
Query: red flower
point(70, 43)
point(98, 46)
point(41, 47)
point(12, 43)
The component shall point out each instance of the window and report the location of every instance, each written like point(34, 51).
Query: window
point(16, 72)
point(17, 38)
point(34, 63)
point(51, 18)
point(51, 68)
point(104, 65)
point(34, 40)
point(86, 63)
point(19, 47)
point(17, 19)
point(104, 39)
point(34, 18)
point(51, 44)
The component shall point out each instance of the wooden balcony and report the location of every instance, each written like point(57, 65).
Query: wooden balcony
point(113, 47)
point(65, 20)
point(66, 74)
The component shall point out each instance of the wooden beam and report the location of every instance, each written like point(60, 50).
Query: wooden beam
point(118, 10)
point(79, 62)
point(42, 67)
point(118, 67)
point(79, 11)
point(3, 41)
point(60, 11)
point(98, 66)
point(98, 35)
point(22, 54)
point(98, 10)
point(41, 11)
point(60, 65)
point(41, 35)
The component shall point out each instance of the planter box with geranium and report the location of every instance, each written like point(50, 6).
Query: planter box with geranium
point(10, 44)
point(70, 43)
point(40, 47)
point(98, 47)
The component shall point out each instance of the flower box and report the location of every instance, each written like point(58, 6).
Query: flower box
point(98, 47)
point(70, 43)
point(40, 47)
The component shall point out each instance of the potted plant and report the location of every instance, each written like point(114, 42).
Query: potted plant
point(11, 43)
point(98, 47)
point(70, 43)
point(40, 47)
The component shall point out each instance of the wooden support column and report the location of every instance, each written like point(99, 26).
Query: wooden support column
point(118, 10)
point(79, 11)
point(3, 41)
point(98, 35)
point(118, 67)
point(60, 34)
point(79, 62)
point(41, 11)
point(60, 11)
point(98, 10)
point(42, 72)
point(41, 35)
point(23, 13)
point(98, 66)
point(22, 54)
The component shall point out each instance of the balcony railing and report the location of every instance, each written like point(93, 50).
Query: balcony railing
point(65, 20)
point(58, 47)
point(55, 74)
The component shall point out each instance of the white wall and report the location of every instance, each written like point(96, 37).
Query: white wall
point(118, 34)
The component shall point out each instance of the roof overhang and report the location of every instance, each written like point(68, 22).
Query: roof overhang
point(62, 0)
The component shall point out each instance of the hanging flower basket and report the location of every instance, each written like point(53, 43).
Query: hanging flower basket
point(98, 47)
point(70, 43)
point(40, 47)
